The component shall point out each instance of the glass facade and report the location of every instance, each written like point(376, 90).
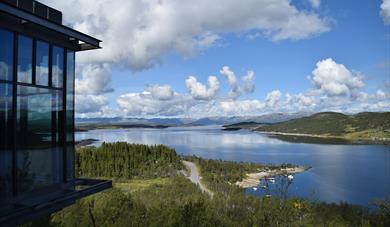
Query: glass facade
point(70, 79)
point(42, 64)
point(38, 144)
point(36, 115)
point(5, 140)
point(58, 66)
point(6, 55)
point(25, 59)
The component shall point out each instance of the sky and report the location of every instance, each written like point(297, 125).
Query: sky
point(174, 58)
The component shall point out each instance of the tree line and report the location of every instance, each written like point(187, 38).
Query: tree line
point(123, 160)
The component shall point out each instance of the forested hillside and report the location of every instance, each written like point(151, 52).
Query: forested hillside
point(367, 125)
point(123, 160)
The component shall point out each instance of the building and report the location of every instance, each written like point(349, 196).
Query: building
point(37, 76)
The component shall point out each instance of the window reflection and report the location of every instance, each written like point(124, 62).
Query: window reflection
point(5, 140)
point(38, 151)
point(58, 66)
point(42, 64)
point(6, 54)
point(25, 59)
point(69, 114)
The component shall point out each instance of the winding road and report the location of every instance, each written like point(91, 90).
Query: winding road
point(194, 177)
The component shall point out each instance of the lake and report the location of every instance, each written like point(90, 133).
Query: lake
point(356, 174)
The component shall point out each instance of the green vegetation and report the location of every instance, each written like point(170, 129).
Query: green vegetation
point(362, 126)
point(243, 125)
point(220, 176)
point(128, 161)
point(140, 199)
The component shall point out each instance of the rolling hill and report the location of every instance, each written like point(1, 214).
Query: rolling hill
point(361, 126)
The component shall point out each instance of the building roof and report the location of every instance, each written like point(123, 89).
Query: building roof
point(30, 11)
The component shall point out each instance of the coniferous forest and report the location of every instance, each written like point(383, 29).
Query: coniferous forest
point(123, 160)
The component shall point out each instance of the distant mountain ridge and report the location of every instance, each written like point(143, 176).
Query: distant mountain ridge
point(267, 118)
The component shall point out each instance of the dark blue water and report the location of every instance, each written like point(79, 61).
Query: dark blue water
point(357, 174)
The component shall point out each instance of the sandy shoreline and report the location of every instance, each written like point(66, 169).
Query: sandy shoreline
point(253, 179)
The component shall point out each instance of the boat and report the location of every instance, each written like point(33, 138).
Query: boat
point(254, 188)
point(290, 177)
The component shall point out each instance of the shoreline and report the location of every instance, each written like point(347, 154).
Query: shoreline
point(382, 141)
point(253, 179)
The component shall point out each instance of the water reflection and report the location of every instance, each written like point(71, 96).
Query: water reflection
point(353, 173)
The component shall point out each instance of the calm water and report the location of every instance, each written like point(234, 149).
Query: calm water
point(353, 173)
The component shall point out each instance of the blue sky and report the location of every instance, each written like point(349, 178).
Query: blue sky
point(350, 35)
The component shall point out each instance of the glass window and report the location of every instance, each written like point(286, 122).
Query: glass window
point(42, 64)
point(5, 141)
point(58, 67)
point(25, 56)
point(6, 54)
point(39, 154)
point(70, 77)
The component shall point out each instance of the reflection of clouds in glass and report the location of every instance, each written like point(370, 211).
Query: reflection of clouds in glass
point(42, 75)
point(5, 98)
point(57, 67)
point(39, 100)
point(5, 71)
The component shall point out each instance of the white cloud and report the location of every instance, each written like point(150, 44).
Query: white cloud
point(385, 11)
point(232, 80)
point(299, 99)
point(199, 91)
point(236, 90)
point(335, 79)
point(249, 86)
point(164, 92)
point(315, 3)
point(273, 98)
point(244, 107)
point(89, 89)
point(94, 80)
point(138, 33)
point(144, 104)
point(90, 103)
point(381, 95)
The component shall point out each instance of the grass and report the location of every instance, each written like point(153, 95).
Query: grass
point(132, 186)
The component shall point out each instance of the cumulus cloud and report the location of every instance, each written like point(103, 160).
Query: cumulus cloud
point(94, 80)
point(385, 11)
point(273, 98)
point(381, 95)
point(90, 103)
point(249, 86)
point(90, 87)
point(137, 33)
point(335, 79)
point(144, 104)
point(315, 3)
point(232, 80)
point(235, 89)
point(299, 99)
point(243, 107)
point(199, 91)
point(164, 92)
